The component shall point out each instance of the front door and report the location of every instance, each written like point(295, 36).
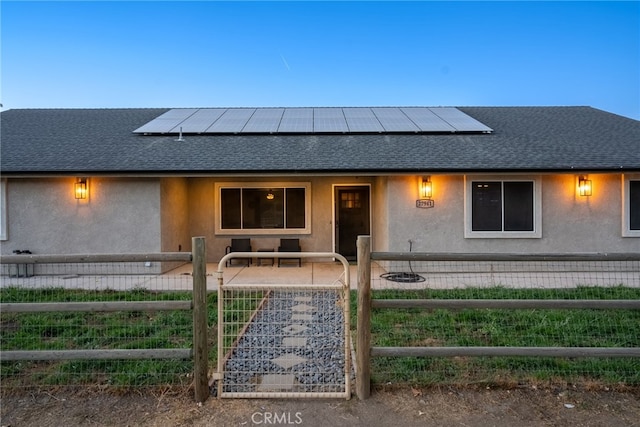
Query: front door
point(352, 218)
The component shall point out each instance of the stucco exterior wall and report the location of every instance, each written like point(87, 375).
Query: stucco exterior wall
point(119, 215)
point(174, 221)
point(174, 218)
point(570, 223)
point(162, 214)
point(574, 223)
point(321, 238)
point(380, 223)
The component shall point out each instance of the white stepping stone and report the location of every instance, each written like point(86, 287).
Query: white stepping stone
point(286, 361)
point(275, 382)
point(294, 342)
point(303, 299)
point(303, 307)
point(294, 329)
point(301, 317)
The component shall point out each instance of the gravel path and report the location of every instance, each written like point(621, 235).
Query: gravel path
point(295, 343)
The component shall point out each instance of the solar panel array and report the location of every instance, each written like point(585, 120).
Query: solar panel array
point(313, 120)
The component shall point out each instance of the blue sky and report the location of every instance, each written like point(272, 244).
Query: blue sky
point(289, 54)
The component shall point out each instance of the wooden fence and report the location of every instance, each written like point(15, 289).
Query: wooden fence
point(365, 303)
point(198, 304)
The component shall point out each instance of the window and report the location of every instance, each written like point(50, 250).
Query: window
point(631, 206)
point(350, 200)
point(496, 208)
point(270, 208)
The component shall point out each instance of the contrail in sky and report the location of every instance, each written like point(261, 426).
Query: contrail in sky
point(285, 63)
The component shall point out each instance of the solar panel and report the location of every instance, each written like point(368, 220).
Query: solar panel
point(265, 120)
point(296, 120)
point(426, 120)
point(459, 120)
point(394, 120)
point(329, 120)
point(313, 120)
point(199, 121)
point(167, 121)
point(232, 121)
point(362, 120)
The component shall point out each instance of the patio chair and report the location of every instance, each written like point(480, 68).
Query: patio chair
point(290, 245)
point(239, 245)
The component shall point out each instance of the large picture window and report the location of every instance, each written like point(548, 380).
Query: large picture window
point(502, 208)
point(264, 208)
point(631, 206)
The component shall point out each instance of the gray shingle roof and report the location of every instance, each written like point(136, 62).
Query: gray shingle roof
point(95, 141)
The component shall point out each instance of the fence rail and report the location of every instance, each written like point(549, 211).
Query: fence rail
point(564, 265)
point(156, 353)
point(451, 256)
point(94, 258)
point(44, 307)
point(507, 304)
point(503, 352)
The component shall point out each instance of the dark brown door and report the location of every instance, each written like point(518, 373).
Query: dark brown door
point(352, 218)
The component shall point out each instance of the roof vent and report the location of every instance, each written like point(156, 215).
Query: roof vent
point(180, 138)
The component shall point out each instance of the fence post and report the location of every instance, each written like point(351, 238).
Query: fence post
point(363, 331)
point(200, 350)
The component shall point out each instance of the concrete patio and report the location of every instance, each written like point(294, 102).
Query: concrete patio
point(310, 273)
point(316, 273)
point(328, 272)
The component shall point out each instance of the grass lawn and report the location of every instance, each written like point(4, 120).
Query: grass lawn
point(100, 330)
point(510, 328)
point(390, 327)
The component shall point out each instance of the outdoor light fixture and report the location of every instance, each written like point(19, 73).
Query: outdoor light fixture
point(270, 195)
point(426, 188)
point(584, 186)
point(81, 191)
point(425, 192)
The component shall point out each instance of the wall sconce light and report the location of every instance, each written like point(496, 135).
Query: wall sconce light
point(425, 192)
point(270, 195)
point(80, 188)
point(584, 186)
point(426, 188)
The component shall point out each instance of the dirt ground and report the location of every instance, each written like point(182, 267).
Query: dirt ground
point(407, 406)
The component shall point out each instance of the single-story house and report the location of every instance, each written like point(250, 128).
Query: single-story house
point(463, 179)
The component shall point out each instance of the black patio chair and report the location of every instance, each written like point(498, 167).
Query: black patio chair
point(290, 245)
point(239, 245)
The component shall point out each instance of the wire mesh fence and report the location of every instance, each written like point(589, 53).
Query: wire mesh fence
point(538, 279)
point(96, 328)
point(435, 279)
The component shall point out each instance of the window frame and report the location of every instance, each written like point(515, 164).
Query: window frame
point(4, 235)
point(261, 186)
point(536, 233)
point(626, 207)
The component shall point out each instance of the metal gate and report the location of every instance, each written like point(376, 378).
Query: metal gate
point(284, 340)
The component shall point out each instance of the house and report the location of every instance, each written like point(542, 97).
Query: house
point(465, 179)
